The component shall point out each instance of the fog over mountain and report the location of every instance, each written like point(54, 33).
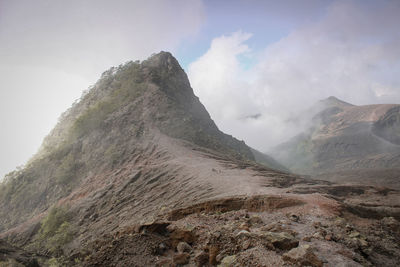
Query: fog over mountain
point(136, 173)
point(254, 64)
point(200, 133)
point(351, 52)
point(53, 50)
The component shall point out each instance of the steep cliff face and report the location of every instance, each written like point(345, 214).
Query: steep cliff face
point(345, 137)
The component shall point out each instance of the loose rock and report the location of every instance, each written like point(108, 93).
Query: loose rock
point(281, 240)
point(303, 256)
point(243, 233)
point(354, 234)
point(228, 261)
point(201, 258)
point(181, 258)
point(255, 220)
point(183, 247)
point(213, 250)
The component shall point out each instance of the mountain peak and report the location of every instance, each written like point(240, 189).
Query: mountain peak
point(120, 116)
point(333, 98)
point(333, 101)
point(162, 55)
point(164, 70)
point(162, 59)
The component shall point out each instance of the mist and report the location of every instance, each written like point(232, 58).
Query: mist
point(51, 51)
point(255, 66)
point(351, 52)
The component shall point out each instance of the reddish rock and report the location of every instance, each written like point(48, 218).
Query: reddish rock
point(328, 237)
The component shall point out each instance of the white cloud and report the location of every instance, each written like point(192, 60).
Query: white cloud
point(53, 50)
point(220, 77)
point(88, 36)
point(352, 53)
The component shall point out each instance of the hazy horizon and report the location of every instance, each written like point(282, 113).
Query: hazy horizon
point(242, 59)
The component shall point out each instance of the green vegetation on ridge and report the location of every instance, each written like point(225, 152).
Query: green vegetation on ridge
point(56, 229)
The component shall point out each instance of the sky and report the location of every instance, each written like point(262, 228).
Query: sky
point(254, 64)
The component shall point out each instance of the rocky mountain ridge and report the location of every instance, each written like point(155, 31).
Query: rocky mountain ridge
point(137, 174)
point(349, 139)
point(128, 103)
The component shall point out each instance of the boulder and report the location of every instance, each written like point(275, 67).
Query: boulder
point(183, 247)
point(228, 261)
point(282, 240)
point(302, 256)
point(243, 233)
point(178, 235)
point(391, 223)
point(255, 220)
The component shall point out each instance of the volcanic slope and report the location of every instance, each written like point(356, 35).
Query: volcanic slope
point(348, 143)
point(137, 174)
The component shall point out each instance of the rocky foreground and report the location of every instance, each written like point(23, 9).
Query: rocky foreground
point(273, 230)
point(277, 219)
point(297, 224)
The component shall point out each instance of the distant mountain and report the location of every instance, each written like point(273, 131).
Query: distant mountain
point(333, 102)
point(268, 161)
point(345, 137)
point(137, 174)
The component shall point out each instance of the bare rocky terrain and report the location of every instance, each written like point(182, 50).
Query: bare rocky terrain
point(137, 174)
point(347, 143)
